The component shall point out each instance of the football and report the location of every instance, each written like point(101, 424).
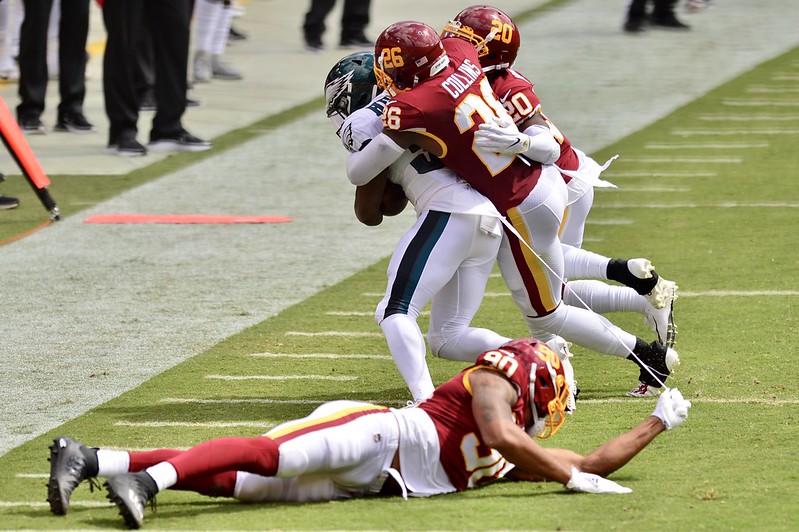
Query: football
point(394, 200)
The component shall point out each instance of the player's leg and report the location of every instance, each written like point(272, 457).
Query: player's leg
point(450, 334)
point(425, 259)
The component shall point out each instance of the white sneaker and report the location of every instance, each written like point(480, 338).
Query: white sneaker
point(661, 318)
point(644, 390)
point(561, 347)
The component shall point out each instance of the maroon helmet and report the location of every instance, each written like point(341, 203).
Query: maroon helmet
point(548, 392)
point(493, 33)
point(407, 53)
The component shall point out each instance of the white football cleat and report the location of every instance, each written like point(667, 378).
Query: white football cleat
point(641, 268)
point(661, 319)
point(561, 347)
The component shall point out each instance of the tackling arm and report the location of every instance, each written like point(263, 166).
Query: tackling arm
point(364, 165)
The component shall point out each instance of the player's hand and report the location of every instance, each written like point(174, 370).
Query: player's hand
point(590, 483)
point(672, 409)
point(501, 138)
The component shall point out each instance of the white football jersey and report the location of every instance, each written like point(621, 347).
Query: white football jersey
point(428, 184)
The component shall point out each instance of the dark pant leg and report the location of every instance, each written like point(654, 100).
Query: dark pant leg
point(169, 22)
point(664, 9)
point(144, 67)
point(637, 10)
point(122, 22)
point(314, 25)
point(73, 31)
point(33, 58)
point(354, 19)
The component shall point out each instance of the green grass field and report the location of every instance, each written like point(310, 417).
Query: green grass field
point(716, 210)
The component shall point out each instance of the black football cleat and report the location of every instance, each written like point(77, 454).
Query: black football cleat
point(131, 492)
point(68, 468)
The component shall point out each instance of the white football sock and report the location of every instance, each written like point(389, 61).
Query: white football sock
point(110, 463)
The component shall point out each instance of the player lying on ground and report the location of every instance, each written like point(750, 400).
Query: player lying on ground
point(474, 429)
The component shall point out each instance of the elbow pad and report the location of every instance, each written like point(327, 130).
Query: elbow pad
point(376, 156)
point(543, 146)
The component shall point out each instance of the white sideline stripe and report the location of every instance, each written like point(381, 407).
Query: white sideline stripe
point(723, 205)
point(611, 175)
point(282, 377)
point(37, 504)
point(739, 132)
point(749, 118)
point(735, 400)
point(196, 424)
point(319, 355)
point(731, 102)
point(690, 160)
point(771, 89)
point(336, 333)
point(646, 189)
point(706, 146)
point(784, 77)
point(32, 475)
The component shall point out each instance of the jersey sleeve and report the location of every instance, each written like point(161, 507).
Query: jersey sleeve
point(359, 129)
point(516, 94)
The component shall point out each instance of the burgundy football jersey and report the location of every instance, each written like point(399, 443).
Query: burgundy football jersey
point(448, 108)
point(516, 93)
point(466, 459)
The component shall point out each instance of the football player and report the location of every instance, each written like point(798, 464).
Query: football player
point(445, 257)
point(474, 429)
point(439, 97)
point(497, 39)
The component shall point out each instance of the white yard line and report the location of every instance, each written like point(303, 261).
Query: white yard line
point(319, 355)
point(340, 378)
point(750, 118)
point(355, 334)
point(755, 132)
point(706, 146)
point(613, 175)
point(682, 160)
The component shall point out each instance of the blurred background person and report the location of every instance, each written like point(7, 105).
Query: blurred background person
point(354, 20)
point(73, 30)
point(213, 20)
point(168, 22)
point(639, 17)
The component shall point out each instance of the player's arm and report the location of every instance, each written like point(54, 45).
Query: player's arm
point(534, 139)
point(366, 164)
point(493, 397)
point(368, 199)
point(671, 412)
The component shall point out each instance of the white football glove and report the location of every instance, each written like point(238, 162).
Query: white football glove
point(590, 483)
point(501, 138)
point(672, 409)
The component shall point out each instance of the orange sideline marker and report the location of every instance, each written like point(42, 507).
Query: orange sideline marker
point(20, 150)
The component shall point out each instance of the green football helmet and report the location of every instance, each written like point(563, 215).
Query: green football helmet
point(349, 86)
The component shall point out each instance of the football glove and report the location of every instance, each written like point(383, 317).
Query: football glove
point(672, 409)
point(536, 143)
point(590, 483)
point(503, 138)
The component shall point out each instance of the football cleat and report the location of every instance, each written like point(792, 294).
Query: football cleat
point(656, 362)
point(130, 492)
point(68, 468)
point(662, 294)
point(644, 390)
point(661, 318)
